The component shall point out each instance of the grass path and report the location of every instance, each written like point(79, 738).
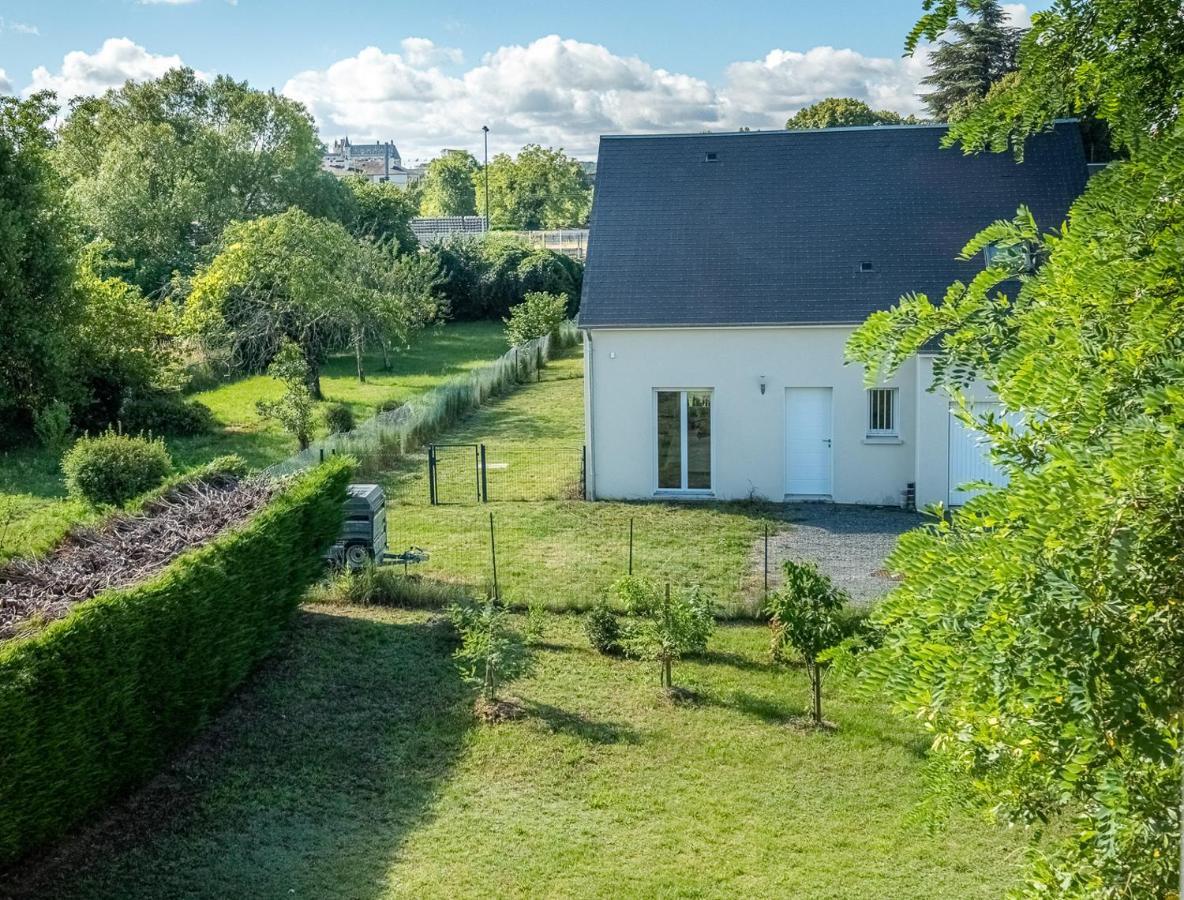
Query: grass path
point(351, 767)
point(34, 510)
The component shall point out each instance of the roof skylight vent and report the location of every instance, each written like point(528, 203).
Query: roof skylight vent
point(866, 267)
point(711, 157)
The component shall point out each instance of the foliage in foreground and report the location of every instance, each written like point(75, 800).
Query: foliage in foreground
point(805, 619)
point(112, 468)
point(1119, 61)
point(603, 629)
point(1039, 631)
point(664, 626)
point(95, 702)
point(491, 653)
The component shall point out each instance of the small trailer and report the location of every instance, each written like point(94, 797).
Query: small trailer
point(363, 533)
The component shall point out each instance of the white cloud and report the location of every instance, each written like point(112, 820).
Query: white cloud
point(5, 84)
point(110, 66)
point(424, 52)
point(763, 92)
point(1018, 15)
point(18, 27)
point(566, 93)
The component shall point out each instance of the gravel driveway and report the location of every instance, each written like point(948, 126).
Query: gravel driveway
point(848, 543)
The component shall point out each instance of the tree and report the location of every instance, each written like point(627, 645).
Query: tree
point(122, 344)
point(447, 186)
point(541, 188)
point(1039, 631)
point(1121, 61)
point(400, 297)
point(975, 53)
point(844, 112)
point(804, 619)
point(36, 261)
point(289, 277)
point(539, 314)
point(294, 409)
point(664, 626)
point(490, 653)
point(382, 213)
point(160, 167)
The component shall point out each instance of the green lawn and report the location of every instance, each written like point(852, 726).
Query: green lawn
point(352, 767)
point(568, 554)
point(33, 504)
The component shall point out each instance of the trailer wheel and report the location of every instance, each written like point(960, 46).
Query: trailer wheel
point(357, 555)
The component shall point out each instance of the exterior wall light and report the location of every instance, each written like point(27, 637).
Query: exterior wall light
point(763, 383)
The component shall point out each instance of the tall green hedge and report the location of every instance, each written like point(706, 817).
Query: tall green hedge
point(94, 703)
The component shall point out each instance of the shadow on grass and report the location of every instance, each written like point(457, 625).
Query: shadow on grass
point(734, 660)
point(774, 712)
point(306, 785)
point(562, 721)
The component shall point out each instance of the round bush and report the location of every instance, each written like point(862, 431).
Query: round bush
point(603, 629)
point(114, 468)
point(164, 413)
point(338, 418)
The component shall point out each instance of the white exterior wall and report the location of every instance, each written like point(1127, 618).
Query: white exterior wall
point(934, 421)
point(625, 366)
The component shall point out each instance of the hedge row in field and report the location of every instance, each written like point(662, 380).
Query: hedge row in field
point(95, 702)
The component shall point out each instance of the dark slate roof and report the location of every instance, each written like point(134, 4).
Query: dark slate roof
point(775, 230)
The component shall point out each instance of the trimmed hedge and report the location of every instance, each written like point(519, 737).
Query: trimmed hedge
point(93, 704)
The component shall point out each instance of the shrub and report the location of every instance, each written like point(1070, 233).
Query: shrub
point(164, 413)
point(387, 586)
point(666, 625)
point(389, 405)
point(536, 621)
point(113, 468)
point(603, 629)
point(539, 314)
point(94, 703)
point(294, 410)
point(490, 652)
point(806, 619)
point(52, 426)
point(338, 417)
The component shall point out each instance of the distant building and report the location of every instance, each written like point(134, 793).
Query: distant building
point(429, 229)
point(374, 162)
point(588, 167)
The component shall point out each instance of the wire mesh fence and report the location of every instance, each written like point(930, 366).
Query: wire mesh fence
point(388, 436)
point(481, 473)
point(567, 555)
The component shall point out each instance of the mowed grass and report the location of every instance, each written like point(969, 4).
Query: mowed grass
point(566, 553)
point(352, 766)
point(34, 511)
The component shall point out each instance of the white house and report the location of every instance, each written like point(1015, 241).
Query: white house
point(725, 274)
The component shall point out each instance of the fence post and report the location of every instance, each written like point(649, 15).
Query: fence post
point(322, 454)
point(483, 495)
point(631, 545)
point(477, 468)
point(432, 474)
point(766, 562)
point(493, 558)
point(584, 472)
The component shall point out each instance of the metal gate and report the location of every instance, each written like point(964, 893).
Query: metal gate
point(454, 473)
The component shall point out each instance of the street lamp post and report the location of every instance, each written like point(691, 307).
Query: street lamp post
point(485, 133)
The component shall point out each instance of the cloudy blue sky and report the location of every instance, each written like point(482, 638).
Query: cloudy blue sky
point(428, 74)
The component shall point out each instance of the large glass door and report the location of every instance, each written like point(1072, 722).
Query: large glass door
point(684, 440)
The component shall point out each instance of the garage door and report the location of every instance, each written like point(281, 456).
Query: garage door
point(970, 458)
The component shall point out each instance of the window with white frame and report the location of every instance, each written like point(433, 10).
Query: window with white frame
point(881, 413)
point(684, 440)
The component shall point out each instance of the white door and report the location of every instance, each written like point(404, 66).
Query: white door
point(970, 456)
point(808, 441)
